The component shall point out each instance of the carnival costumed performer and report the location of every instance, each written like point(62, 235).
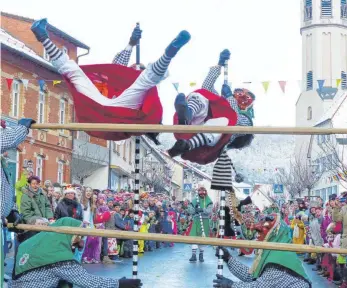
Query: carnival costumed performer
point(201, 210)
point(136, 100)
point(47, 258)
point(206, 107)
point(270, 268)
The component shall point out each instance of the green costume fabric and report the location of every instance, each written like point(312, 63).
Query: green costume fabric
point(289, 260)
point(196, 230)
point(20, 184)
point(46, 248)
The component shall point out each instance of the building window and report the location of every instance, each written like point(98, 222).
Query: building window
point(41, 116)
point(344, 9)
point(62, 112)
point(246, 191)
point(116, 148)
point(343, 80)
point(39, 166)
point(81, 135)
point(15, 98)
point(130, 152)
point(309, 80)
point(60, 178)
point(125, 151)
point(64, 49)
point(309, 113)
point(334, 188)
point(308, 10)
point(326, 9)
point(45, 54)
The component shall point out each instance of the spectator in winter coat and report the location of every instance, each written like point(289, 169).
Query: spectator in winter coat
point(34, 202)
point(69, 206)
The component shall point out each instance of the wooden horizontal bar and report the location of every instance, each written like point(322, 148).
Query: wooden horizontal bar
point(181, 239)
point(191, 129)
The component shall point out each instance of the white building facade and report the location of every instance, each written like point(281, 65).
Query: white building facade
point(324, 86)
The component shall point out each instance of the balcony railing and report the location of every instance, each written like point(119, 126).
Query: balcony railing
point(308, 13)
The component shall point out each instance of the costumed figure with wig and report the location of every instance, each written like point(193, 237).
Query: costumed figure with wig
point(206, 107)
point(269, 268)
point(113, 93)
point(201, 209)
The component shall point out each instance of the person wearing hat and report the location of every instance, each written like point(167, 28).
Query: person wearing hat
point(69, 206)
point(270, 268)
point(315, 230)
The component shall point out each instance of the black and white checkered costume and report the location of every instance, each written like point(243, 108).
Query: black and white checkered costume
point(70, 271)
point(208, 84)
point(273, 276)
point(10, 139)
point(123, 57)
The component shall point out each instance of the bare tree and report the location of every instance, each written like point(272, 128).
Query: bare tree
point(86, 159)
point(333, 153)
point(156, 175)
point(301, 176)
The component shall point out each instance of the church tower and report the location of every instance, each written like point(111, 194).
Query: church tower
point(324, 58)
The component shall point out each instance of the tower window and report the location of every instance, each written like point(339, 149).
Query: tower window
point(308, 10)
point(309, 80)
point(343, 80)
point(309, 113)
point(344, 9)
point(326, 9)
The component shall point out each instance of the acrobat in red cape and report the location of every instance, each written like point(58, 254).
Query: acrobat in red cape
point(132, 96)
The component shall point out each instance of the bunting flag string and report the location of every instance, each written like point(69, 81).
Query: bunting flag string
point(55, 82)
point(41, 84)
point(338, 81)
point(25, 83)
point(283, 86)
point(9, 83)
point(192, 84)
point(176, 85)
point(320, 84)
point(266, 85)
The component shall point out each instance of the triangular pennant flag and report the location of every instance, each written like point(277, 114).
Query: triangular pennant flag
point(192, 84)
point(266, 85)
point(176, 85)
point(9, 83)
point(42, 84)
point(320, 84)
point(283, 85)
point(25, 83)
point(338, 81)
point(55, 82)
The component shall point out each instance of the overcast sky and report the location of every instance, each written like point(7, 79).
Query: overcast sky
point(263, 36)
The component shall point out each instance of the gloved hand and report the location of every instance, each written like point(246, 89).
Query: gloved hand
point(129, 283)
point(226, 91)
point(135, 36)
point(223, 56)
point(222, 282)
point(199, 210)
point(27, 122)
point(15, 218)
point(226, 253)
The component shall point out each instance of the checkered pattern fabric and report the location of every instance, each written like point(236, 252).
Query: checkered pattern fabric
point(211, 79)
point(123, 57)
point(273, 276)
point(69, 271)
point(10, 139)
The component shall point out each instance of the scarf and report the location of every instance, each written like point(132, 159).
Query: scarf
point(46, 248)
point(279, 234)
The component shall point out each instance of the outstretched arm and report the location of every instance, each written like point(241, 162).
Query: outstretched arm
point(239, 270)
point(12, 137)
point(123, 57)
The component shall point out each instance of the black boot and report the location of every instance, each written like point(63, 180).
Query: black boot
point(193, 258)
point(181, 146)
point(184, 114)
point(153, 137)
point(201, 257)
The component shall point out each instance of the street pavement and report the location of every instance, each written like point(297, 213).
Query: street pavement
point(170, 268)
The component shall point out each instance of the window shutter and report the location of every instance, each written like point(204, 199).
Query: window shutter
point(326, 9)
point(309, 80)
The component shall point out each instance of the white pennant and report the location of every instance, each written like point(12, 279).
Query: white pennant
point(25, 83)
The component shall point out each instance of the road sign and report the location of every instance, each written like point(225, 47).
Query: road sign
point(278, 188)
point(187, 187)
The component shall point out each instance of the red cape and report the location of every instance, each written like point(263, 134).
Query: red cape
point(119, 78)
point(219, 107)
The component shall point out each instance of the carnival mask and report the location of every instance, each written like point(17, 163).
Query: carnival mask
point(202, 192)
point(244, 98)
point(264, 226)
